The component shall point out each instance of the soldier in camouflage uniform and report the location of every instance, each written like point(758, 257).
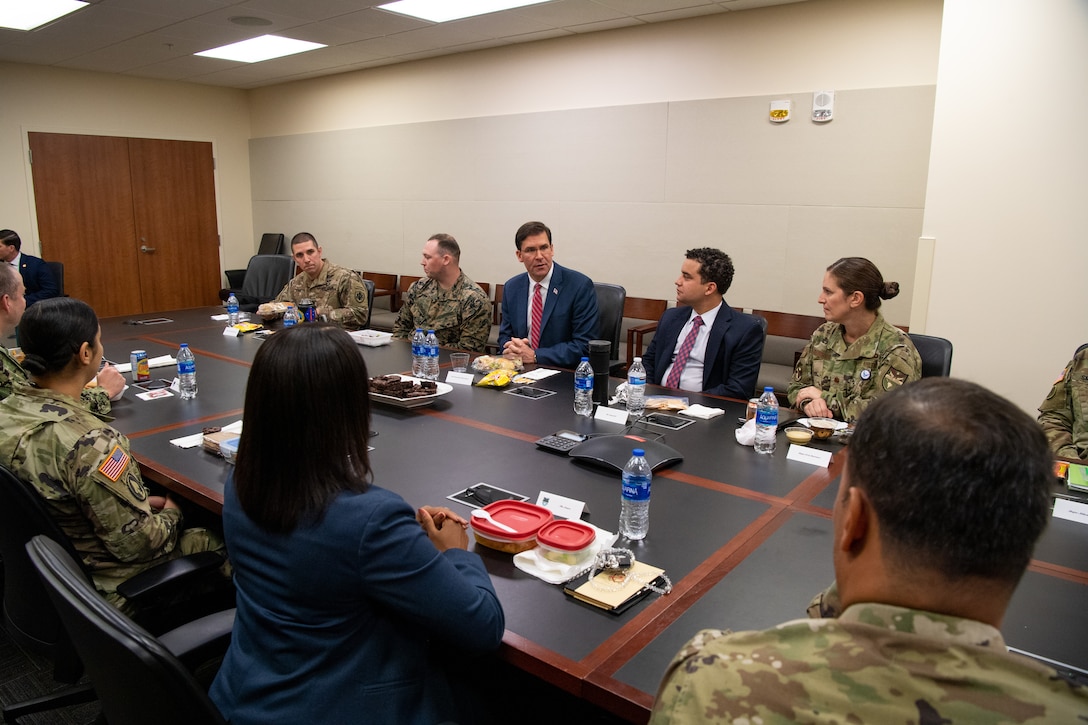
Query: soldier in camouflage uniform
point(338, 293)
point(929, 546)
point(79, 464)
point(856, 355)
point(446, 300)
point(1064, 413)
point(12, 374)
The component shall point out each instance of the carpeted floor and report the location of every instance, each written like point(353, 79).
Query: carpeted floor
point(23, 676)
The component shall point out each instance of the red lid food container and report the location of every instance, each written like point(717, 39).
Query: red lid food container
point(525, 518)
point(567, 542)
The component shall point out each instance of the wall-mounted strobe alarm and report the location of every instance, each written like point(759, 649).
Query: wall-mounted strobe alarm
point(780, 111)
point(823, 106)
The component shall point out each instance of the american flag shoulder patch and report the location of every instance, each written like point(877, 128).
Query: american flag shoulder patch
point(115, 464)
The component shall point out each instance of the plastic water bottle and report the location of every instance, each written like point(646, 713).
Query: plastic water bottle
point(232, 310)
point(635, 497)
point(290, 316)
point(766, 421)
point(636, 388)
point(419, 353)
point(431, 368)
point(583, 388)
point(186, 372)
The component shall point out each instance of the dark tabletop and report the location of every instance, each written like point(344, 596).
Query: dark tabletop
point(744, 538)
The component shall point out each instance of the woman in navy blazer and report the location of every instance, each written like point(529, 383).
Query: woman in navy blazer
point(352, 607)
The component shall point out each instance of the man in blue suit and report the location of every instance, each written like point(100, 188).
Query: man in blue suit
point(38, 280)
point(562, 303)
point(702, 344)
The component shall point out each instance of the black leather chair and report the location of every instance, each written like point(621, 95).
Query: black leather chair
point(57, 268)
point(610, 298)
point(936, 354)
point(266, 276)
point(29, 616)
point(369, 301)
point(270, 244)
point(138, 678)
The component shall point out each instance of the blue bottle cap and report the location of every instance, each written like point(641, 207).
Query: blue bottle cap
point(638, 452)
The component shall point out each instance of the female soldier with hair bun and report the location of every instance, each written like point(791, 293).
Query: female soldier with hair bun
point(78, 463)
point(856, 355)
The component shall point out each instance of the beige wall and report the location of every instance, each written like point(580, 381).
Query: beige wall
point(798, 48)
point(52, 100)
point(632, 144)
point(1007, 187)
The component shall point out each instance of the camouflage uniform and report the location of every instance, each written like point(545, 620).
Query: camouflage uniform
point(12, 374)
point(92, 486)
point(851, 376)
point(1064, 413)
point(460, 316)
point(337, 292)
point(877, 663)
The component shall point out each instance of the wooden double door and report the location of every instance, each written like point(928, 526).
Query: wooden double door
point(133, 220)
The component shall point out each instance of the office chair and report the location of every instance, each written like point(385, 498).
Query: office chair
point(29, 616)
point(138, 678)
point(273, 244)
point(57, 268)
point(369, 283)
point(936, 354)
point(266, 276)
point(610, 298)
point(270, 244)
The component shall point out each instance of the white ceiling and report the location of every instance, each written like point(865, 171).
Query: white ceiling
point(157, 38)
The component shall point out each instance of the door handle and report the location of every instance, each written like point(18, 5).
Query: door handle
point(146, 249)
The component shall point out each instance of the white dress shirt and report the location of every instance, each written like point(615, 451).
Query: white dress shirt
point(692, 376)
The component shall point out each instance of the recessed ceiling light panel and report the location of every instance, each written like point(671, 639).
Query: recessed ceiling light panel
point(265, 47)
point(441, 11)
point(24, 15)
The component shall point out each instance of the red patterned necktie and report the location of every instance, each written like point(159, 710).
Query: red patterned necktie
point(684, 354)
point(538, 315)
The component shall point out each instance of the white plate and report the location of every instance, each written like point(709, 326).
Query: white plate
point(371, 338)
point(417, 402)
point(839, 424)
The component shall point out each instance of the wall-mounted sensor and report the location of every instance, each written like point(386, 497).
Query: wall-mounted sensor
point(780, 111)
point(823, 106)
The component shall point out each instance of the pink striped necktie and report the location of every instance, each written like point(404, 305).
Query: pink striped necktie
point(538, 315)
point(684, 354)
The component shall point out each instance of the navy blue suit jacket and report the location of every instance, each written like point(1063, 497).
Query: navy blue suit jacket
point(38, 279)
point(733, 351)
point(570, 316)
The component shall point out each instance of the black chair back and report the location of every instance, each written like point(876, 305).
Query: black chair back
point(610, 298)
point(936, 354)
point(57, 268)
point(137, 679)
point(273, 244)
point(266, 276)
point(369, 283)
point(29, 616)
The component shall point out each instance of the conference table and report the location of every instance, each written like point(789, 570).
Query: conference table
point(744, 538)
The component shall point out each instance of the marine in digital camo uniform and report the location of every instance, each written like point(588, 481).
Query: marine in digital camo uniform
point(336, 291)
point(460, 316)
point(1064, 413)
point(12, 374)
point(93, 488)
point(852, 376)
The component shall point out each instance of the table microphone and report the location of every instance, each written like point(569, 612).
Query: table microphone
point(600, 352)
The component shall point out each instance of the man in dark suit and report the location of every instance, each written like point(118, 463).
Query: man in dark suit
point(38, 280)
point(562, 302)
point(703, 344)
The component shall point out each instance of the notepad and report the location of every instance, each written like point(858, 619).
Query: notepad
point(1077, 478)
point(609, 595)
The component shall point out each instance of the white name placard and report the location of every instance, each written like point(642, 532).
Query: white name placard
point(812, 456)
